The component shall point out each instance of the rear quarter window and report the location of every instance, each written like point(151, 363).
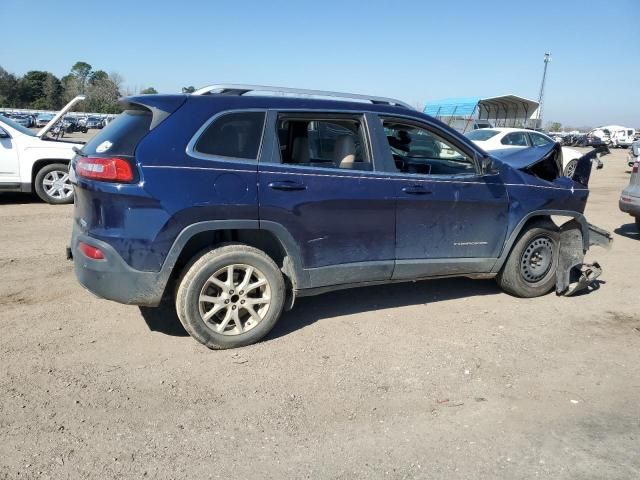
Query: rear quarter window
point(122, 135)
point(235, 135)
point(481, 135)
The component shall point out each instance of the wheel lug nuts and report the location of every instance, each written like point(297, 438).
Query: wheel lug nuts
point(242, 302)
point(230, 292)
point(241, 292)
point(233, 307)
point(226, 301)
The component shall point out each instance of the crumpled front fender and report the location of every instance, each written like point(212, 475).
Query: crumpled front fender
point(572, 274)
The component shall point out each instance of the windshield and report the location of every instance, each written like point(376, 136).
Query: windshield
point(481, 135)
point(16, 126)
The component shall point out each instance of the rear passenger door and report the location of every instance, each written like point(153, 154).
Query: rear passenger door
point(321, 185)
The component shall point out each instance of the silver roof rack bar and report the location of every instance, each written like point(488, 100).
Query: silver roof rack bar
point(235, 89)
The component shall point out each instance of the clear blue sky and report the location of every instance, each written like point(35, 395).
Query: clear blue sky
point(412, 50)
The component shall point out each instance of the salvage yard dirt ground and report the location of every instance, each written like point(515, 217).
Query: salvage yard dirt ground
point(440, 379)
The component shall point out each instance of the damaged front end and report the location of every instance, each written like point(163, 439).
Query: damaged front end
point(542, 167)
point(572, 274)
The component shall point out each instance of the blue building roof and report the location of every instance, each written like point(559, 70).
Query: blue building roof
point(458, 106)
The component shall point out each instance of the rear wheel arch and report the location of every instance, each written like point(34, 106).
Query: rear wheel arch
point(193, 240)
point(43, 162)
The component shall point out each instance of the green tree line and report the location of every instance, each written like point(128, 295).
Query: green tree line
point(42, 90)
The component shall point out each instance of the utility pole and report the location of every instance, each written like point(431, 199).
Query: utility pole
point(547, 59)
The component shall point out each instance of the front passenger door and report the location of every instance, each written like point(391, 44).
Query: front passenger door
point(450, 217)
point(9, 161)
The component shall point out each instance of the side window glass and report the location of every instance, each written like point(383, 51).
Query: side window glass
point(236, 135)
point(323, 143)
point(419, 151)
point(540, 140)
point(516, 139)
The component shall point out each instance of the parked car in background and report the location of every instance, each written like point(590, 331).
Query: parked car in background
point(588, 140)
point(93, 122)
point(35, 162)
point(250, 201)
point(602, 133)
point(621, 136)
point(43, 118)
point(494, 139)
point(22, 120)
point(630, 197)
point(72, 124)
point(634, 153)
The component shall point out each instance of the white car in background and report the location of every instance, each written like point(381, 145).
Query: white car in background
point(31, 161)
point(491, 139)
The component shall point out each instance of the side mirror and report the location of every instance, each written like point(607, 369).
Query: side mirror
point(486, 164)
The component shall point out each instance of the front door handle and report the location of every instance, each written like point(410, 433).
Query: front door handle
point(287, 185)
point(416, 190)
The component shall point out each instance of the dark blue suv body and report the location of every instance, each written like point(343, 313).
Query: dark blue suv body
point(207, 196)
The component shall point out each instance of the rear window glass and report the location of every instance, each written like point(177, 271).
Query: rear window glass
point(122, 135)
point(481, 135)
point(236, 135)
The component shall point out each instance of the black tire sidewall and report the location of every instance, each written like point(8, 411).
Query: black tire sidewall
point(39, 187)
point(511, 278)
point(199, 271)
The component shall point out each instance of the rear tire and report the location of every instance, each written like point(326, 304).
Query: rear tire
point(221, 311)
point(530, 270)
point(637, 223)
point(52, 184)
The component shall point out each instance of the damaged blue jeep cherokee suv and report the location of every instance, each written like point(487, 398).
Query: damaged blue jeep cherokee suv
point(233, 201)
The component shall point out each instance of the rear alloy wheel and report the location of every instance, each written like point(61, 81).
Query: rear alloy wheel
point(52, 184)
point(530, 270)
point(230, 296)
point(570, 169)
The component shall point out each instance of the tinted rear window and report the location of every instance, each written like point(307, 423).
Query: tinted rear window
point(236, 135)
point(481, 135)
point(122, 135)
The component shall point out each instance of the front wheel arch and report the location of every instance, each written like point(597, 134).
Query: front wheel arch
point(540, 217)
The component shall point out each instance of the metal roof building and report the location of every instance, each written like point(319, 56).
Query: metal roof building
point(503, 111)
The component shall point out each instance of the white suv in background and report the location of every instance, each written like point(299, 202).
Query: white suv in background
point(491, 139)
point(32, 162)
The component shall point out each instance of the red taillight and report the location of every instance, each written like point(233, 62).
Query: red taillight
point(106, 169)
point(635, 167)
point(91, 252)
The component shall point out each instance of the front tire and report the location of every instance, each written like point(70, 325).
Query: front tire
point(52, 184)
point(230, 296)
point(570, 169)
point(530, 270)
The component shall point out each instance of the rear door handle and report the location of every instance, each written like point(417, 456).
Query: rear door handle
point(416, 190)
point(287, 185)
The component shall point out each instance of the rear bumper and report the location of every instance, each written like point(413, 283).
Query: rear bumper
point(629, 204)
point(112, 278)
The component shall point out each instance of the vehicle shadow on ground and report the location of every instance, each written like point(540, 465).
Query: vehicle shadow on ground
point(628, 230)
point(308, 310)
point(18, 198)
point(163, 319)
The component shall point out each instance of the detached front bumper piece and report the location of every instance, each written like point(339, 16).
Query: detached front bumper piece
point(573, 275)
